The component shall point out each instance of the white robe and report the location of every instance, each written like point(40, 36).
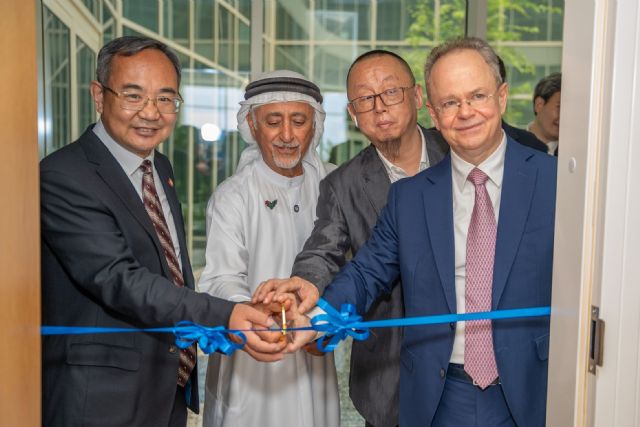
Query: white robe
point(248, 242)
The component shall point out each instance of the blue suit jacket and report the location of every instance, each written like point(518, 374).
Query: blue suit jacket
point(414, 239)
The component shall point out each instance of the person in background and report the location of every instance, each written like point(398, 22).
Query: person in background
point(546, 107)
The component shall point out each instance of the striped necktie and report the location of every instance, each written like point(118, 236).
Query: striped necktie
point(154, 210)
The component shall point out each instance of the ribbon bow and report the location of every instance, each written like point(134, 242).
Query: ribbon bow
point(209, 339)
point(338, 325)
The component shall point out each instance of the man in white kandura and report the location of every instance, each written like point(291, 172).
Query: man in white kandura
point(257, 222)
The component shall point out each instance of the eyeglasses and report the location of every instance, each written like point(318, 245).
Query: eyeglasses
point(451, 106)
point(136, 101)
point(388, 97)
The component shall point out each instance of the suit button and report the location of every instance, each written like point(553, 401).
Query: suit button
point(173, 349)
point(442, 372)
point(452, 325)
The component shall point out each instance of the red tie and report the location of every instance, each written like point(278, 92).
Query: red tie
point(154, 210)
point(479, 357)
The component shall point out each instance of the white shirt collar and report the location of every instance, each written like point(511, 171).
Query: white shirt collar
point(551, 145)
point(397, 172)
point(129, 161)
point(493, 166)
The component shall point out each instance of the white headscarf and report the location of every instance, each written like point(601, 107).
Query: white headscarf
point(252, 152)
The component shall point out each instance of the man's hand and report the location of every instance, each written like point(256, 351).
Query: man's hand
point(276, 290)
point(262, 346)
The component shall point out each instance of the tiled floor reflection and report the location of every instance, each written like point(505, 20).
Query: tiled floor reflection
point(349, 417)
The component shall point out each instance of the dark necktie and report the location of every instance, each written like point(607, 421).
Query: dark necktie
point(154, 210)
point(479, 357)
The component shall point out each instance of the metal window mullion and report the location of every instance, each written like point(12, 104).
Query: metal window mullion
point(214, 150)
point(272, 25)
point(216, 29)
point(374, 24)
point(73, 85)
point(236, 41)
point(257, 28)
point(312, 37)
point(160, 18)
point(476, 20)
point(118, 16)
point(192, 27)
point(190, 157)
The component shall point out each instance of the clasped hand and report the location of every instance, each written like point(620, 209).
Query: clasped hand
point(303, 296)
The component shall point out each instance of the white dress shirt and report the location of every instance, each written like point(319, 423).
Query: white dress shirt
point(130, 163)
point(463, 202)
point(395, 172)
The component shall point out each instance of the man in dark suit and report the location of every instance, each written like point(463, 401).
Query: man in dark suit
point(114, 255)
point(383, 102)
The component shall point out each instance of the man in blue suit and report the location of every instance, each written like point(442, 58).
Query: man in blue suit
point(472, 233)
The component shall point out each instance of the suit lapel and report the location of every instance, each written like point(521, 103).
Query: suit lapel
point(517, 190)
point(437, 147)
point(110, 171)
point(438, 208)
point(164, 174)
point(375, 179)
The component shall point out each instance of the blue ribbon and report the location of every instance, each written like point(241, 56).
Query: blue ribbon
point(337, 326)
point(209, 339)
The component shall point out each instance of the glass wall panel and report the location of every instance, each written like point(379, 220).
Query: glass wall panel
point(331, 63)
point(393, 18)
point(226, 38)
point(203, 17)
point(244, 47)
point(342, 19)
point(108, 24)
point(435, 20)
point(293, 19)
point(176, 148)
point(209, 119)
point(176, 21)
point(94, 7)
point(294, 58)
point(57, 82)
point(86, 64)
point(527, 35)
point(318, 38)
point(144, 12)
point(244, 7)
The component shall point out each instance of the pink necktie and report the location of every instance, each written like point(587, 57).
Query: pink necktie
point(479, 358)
point(154, 210)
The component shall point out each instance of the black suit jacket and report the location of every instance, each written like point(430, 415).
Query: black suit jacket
point(524, 137)
point(350, 201)
point(102, 265)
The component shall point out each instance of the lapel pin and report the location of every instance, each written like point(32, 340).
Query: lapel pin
point(170, 182)
point(269, 204)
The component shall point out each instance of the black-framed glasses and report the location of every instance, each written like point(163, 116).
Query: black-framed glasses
point(136, 101)
point(389, 97)
point(451, 106)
